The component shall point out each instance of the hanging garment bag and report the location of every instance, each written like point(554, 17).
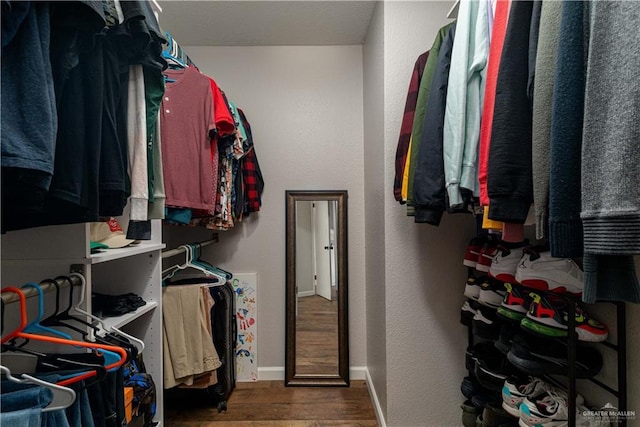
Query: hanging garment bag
point(223, 326)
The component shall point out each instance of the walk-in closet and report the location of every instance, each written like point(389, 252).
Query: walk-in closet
point(320, 213)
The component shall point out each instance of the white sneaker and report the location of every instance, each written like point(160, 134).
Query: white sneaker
point(505, 264)
point(540, 270)
point(549, 410)
point(515, 391)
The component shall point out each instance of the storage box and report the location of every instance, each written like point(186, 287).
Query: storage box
point(128, 402)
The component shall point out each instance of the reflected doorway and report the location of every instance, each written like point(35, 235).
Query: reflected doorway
point(317, 292)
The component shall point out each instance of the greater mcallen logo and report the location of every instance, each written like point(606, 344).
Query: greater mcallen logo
point(611, 413)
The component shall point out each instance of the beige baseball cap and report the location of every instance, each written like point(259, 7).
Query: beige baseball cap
point(109, 233)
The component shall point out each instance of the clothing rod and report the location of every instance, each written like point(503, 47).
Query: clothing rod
point(9, 298)
point(177, 251)
point(453, 12)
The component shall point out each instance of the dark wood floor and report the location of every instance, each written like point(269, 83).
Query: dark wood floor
point(317, 336)
point(269, 403)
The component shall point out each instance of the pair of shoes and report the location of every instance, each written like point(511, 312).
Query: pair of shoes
point(480, 253)
point(542, 356)
point(517, 389)
point(549, 316)
point(535, 268)
point(539, 270)
point(551, 408)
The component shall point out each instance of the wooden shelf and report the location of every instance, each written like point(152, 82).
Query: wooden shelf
point(113, 254)
point(125, 319)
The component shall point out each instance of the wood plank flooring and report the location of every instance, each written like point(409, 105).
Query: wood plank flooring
point(269, 403)
point(317, 336)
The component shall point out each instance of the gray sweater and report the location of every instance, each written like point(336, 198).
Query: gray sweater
point(542, 108)
point(611, 148)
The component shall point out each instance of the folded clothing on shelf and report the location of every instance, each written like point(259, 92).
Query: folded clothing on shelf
point(115, 305)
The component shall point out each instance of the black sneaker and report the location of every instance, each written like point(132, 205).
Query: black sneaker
point(467, 311)
point(485, 324)
point(540, 356)
point(507, 331)
point(492, 369)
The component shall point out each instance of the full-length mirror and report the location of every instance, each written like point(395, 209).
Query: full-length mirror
point(317, 344)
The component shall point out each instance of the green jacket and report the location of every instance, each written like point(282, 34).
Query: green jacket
point(421, 105)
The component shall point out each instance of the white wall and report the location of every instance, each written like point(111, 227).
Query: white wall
point(304, 248)
point(374, 190)
point(305, 109)
point(424, 273)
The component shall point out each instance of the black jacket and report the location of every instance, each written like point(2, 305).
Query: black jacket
point(428, 186)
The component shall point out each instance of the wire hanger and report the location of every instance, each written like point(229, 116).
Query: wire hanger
point(54, 340)
point(63, 397)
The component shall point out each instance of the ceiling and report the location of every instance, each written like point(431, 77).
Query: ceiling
point(266, 23)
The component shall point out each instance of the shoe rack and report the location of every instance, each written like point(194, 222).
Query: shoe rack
point(620, 347)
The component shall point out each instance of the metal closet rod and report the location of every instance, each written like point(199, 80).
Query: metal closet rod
point(8, 298)
point(177, 251)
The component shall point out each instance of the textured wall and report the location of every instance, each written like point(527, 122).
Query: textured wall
point(424, 273)
point(375, 192)
point(305, 109)
point(304, 248)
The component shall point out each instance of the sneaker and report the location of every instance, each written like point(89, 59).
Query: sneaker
point(473, 251)
point(505, 263)
point(492, 369)
point(491, 292)
point(549, 409)
point(470, 387)
point(485, 258)
point(549, 317)
point(472, 288)
point(515, 304)
point(515, 390)
point(485, 324)
point(467, 312)
point(495, 416)
point(541, 356)
point(469, 414)
point(540, 270)
point(505, 338)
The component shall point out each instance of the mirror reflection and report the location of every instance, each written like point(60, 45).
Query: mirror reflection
point(316, 288)
point(317, 343)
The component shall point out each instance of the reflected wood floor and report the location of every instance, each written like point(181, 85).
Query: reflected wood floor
point(270, 403)
point(317, 335)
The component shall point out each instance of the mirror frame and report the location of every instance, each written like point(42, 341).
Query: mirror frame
point(342, 377)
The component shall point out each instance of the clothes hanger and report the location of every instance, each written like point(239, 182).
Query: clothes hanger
point(195, 259)
point(57, 317)
point(138, 343)
point(95, 346)
point(63, 397)
point(216, 270)
point(35, 326)
point(187, 264)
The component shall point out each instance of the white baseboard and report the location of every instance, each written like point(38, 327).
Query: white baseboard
point(272, 373)
point(357, 373)
point(276, 373)
point(374, 399)
point(306, 293)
